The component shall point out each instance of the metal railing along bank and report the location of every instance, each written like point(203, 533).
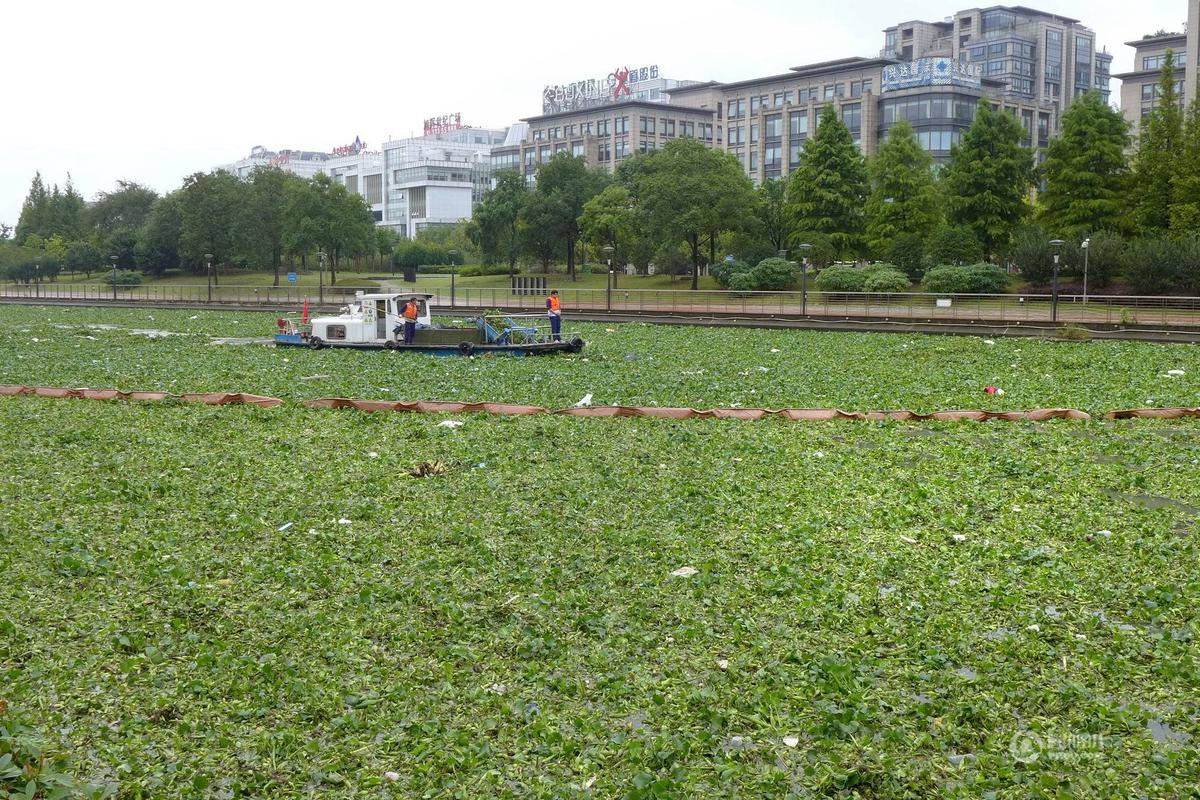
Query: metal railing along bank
point(1002, 308)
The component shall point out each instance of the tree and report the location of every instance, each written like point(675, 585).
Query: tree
point(772, 212)
point(538, 227)
point(907, 251)
point(1158, 155)
point(953, 244)
point(5, 232)
point(386, 242)
point(689, 191)
point(988, 178)
point(495, 225)
point(611, 219)
point(826, 193)
point(83, 257)
point(903, 199)
point(126, 208)
point(569, 184)
point(321, 214)
point(35, 211)
point(1185, 184)
point(1086, 171)
point(263, 223)
point(211, 206)
point(157, 247)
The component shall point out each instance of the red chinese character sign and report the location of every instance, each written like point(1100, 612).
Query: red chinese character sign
point(615, 87)
point(443, 124)
point(350, 149)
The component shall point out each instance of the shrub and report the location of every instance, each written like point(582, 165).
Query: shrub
point(951, 244)
point(1106, 254)
point(1030, 253)
point(840, 278)
point(977, 279)
point(774, 275)
point(907, 252)
point(885, 280)
point(1151, 264)
point(1187, 265)
point(123, 277)
point(1074, 333)
point(723, 271)
point(742, 282)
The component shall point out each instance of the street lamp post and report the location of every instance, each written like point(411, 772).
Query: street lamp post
point(37, 280)
point(1086, 243)
point(114, 278)
point(321, 279)
point(804, 248)
point(1057, 245)
point(208, 257)
point(612, 278)
point(453, 269)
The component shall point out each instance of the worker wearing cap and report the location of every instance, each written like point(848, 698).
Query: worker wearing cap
point(554, 312)
point(410, 314)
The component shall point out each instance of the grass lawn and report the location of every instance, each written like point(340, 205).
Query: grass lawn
point(235, 602)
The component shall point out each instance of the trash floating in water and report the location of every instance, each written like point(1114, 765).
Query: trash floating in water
point(684, 572)
point(449, 423)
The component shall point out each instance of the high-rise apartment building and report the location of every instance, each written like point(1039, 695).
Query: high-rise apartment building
point(1036, 55)
point(1140, 87)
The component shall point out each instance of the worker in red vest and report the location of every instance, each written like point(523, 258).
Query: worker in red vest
point(410, 314)
point(554, 311)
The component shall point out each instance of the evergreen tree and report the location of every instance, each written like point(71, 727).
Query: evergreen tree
point(1086, 171)
point(1185, 187)
point(988, 178)
point(1158, 154)
point(903, 196)
point(35, 211)
point(66, 213)
point(826, 193)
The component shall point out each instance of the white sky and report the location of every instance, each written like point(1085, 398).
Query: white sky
point(152, 91)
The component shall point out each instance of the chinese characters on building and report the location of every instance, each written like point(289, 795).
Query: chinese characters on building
point(443, 124)
point(931, 72)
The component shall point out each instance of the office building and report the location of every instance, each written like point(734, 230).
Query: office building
point(1140, 87)
point(305, 163)
point(1037, 56)
point(362, 173)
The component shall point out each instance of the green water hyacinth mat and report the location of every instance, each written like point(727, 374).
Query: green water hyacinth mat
point(179, 351)
point(242, 602)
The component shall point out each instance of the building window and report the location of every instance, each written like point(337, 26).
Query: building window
point(754, 133)
point(585, 129)
point(668, 127)
point(706, 131)
point(754, 161)
point(794, 151)
point(622, 125)
point(604, 152)
point(622, 149)
point(687, 129)
point(604, 127)
point(646, 124)
point(772, 156)
point(577, 148)
point(799, 123)
point(756, 105)
point(530, 159)
point(737, 108)
point(774, 126)
point(859, 88)
point(852, 116)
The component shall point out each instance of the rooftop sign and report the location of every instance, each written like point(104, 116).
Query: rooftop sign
point(931, 72)
point(350, 149)
point(592, 92)
point(443, 124)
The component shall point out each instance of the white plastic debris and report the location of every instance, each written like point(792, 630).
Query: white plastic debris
point(958, 537)
point(372, 454)
point(449, 423)
point(611, 330)
point(585, 401)
point(999, 392)
point(684, 572)
point(791, 741)
point(1176, 373)
point(392, 776)
point(722, 663)
point(285, 526)
point(989, 342)
point(908, 539)
point(1034, 627)
point(194, 316)
point(776, 350)
point(344, 521)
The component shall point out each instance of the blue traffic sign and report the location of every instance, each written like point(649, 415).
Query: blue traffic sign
point(292, 278)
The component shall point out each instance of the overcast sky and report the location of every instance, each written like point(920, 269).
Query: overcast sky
point(152, 91)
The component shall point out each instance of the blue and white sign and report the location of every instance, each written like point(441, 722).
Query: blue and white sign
point(932, 72)
point(292, 277)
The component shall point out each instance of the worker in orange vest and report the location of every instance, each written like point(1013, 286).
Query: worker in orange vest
point(554, 311)
point(410, 314)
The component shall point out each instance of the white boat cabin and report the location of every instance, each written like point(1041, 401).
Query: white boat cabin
point(371, 318)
